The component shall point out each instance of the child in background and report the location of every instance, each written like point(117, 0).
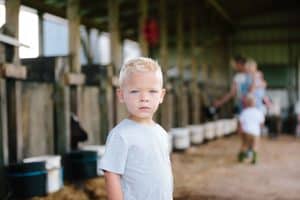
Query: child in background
point(258, 85)
point(250, 122)
point(136, 162)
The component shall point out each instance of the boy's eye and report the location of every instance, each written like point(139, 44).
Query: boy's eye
point(134, 91)
point(153, 91)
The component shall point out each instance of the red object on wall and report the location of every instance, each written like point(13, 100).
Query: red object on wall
point(151, 32)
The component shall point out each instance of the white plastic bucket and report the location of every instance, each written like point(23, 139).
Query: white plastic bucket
point(196, 133)
point(181, 138)
point(227, 127)
point(220, 128)
point(234, 122)
point(209, 130)
point(100, 149)
point(54, 171)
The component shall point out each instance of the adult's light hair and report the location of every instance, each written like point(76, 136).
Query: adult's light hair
point(140, 64)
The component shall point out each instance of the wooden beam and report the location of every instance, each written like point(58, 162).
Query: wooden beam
point(11, 40)
point(143, 7)
point(14, 72)
point(290, 25)
point(167, 107)
point(215, 4)
point(194, 70)
point(62, 108)
point(3, 136)
point(60, 12)
point(11, 25)
point(74, 50)
point(163, 37)
point(182, 111)
point(115, 44)
point(13, 88)
point(86, 45)
point(180, 39)
point(74, 34)
point(117, 110)
point(74, 79)
point(266, 41)
point(298, 81)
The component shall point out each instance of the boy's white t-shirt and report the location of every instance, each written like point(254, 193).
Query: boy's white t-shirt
point(139, 153)
point(250, 119)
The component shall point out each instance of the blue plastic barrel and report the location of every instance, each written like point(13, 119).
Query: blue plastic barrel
point(27, 179)
point(80, 165)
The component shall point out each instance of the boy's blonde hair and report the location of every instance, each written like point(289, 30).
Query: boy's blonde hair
point(140, 64)
point(251, 64)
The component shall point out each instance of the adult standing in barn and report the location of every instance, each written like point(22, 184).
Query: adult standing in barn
point(239, 87)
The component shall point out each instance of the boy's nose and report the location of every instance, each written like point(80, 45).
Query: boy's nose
point(144, 97)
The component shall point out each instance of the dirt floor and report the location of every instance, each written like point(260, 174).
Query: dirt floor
point(210, 171)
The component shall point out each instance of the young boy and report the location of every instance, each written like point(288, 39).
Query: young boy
point(258, 85)
point(250, 122)
point(136, 162)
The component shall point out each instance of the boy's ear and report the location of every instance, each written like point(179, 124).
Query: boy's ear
point(162, 95)
point(120, 95)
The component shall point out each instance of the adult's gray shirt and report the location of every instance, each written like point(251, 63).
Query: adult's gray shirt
point(140, 154)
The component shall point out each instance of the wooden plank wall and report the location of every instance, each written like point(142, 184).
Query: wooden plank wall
point(90, 114)
point(37, 119)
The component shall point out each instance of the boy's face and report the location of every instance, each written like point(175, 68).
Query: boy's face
point(252, 68)
point(141, 92)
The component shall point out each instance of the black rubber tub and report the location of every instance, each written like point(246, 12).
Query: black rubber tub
point(27, 179)
point(80, 165)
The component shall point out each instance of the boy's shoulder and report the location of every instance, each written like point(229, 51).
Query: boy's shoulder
point(127, 126)
point(121, 126)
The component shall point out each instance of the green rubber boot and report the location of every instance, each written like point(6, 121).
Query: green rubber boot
point(241, 156)
point(254, 158)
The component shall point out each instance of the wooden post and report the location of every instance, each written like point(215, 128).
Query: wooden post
point(205, 80)
point(3, 136)
point(86, 46)
point(195, 71)
point(143, 7)
point(181, 91)
point(10, 104)
point(115, 50)
point(74, 50)
point(12, 23)
point(298, 82)
point(167, 107)
point(13, 89)
point(62, 107)
point(75, 69)
point(106, 107)
point(117, 111)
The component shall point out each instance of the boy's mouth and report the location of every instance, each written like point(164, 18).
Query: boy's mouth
point(144, 108)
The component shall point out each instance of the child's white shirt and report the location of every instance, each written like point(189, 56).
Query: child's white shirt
point(250, 119)
point(140, 154)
